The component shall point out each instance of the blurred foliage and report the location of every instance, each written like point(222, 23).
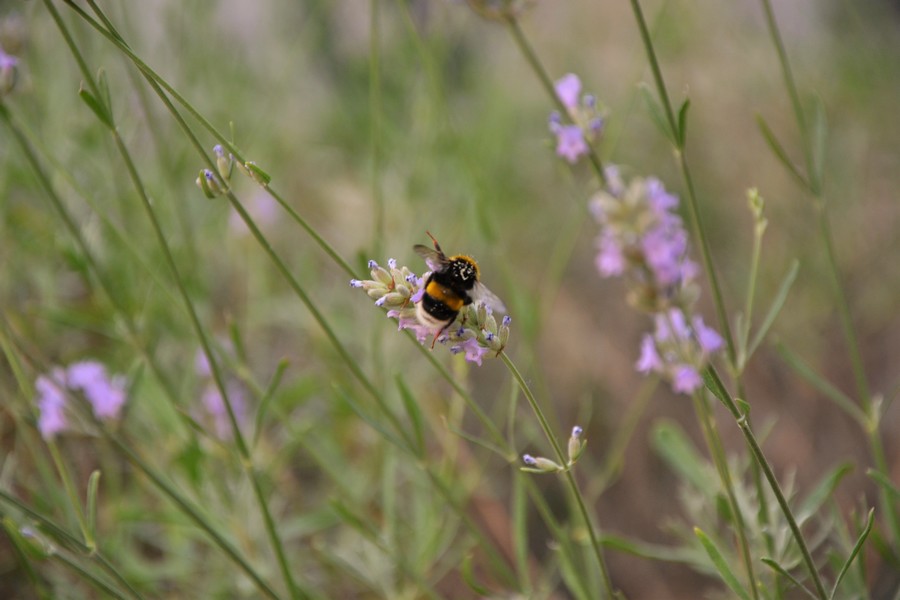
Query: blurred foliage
point(451, 139)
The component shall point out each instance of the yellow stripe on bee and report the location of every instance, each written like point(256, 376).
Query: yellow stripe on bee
point(443, 294)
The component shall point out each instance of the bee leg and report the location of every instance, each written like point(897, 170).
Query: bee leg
point(438, 334)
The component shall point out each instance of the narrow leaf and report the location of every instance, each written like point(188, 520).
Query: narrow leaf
point(415, 416)
point(103, 84)
point(775, 308)
point(778, 150)
point(677, 554)
point(376, 425)
point(856, 548)
point(656, 112)
point(682, 122)
point(469, 578)
point(676, 449)
point(822, 492)
point(266, 400)
point(781, 570)
point(721, 565)
point(818, 141)
point(824, 386)
point(95, 106)
point(93, 485)
point(885, 483)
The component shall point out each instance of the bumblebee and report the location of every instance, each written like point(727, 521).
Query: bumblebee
point(453, 283)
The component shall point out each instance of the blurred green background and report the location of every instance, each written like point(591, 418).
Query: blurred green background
point(447, 132)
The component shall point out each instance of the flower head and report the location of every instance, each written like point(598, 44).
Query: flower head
point(51, 402)
point(105, 395)
point(475, 333)
point(568, 88)
point(574, 139)
point(643, 239)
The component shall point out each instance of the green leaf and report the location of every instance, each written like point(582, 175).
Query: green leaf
point(774, 308)
point(95, 106)
point(721, 565)
point(885, 483)
point(677, 554)
point(817, 143)
point(415, 416)
point(678, 451)
point(376, 425)
point(266, 401)
point(656, 112)
point(822, 492)
point(778, 568)
point(778, 150)
point(469, 577)
point(93, 485)
point(824, 386)
point(103, 85)
point(682, 122)
point(870, 520)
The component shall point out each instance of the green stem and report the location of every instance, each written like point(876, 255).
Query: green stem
point(814, 186)
point(693, 203)
point(375, 113)
point(69, 541)
point(218, 377)
point(153, 77)
point(718, 389)
point(717, 451)
point(539, 70)
point(790, 84)
point(569, 476)
point(193, 513)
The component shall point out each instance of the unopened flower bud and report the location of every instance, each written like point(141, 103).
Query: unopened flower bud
point(224, 164)
point(576, 444)
point(251, 170)
point(209, 183)
point(539, 464)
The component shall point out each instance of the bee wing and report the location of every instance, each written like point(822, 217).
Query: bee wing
point(435, 260)
point(480, 294)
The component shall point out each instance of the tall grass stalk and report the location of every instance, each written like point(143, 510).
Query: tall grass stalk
point(812, 181)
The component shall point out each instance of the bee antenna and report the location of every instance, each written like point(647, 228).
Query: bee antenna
point(436, 245)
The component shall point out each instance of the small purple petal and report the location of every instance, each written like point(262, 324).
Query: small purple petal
point(685, 379)
point(570, 143)
point(649, 359)
point(568, 88)
point(710, 341)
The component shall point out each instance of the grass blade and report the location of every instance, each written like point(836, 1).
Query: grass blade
point(870, 520)
point(824, 386)
point(774, 308)
point(721, 565)
point(783, 572)
point(779, 151)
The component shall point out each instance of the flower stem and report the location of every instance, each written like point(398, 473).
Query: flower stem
point(539, 70)
point(716, 450)
point(718, 389)
point(693, 203)
point(570, 477)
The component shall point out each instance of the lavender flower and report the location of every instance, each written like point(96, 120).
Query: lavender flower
point(475, 333)
point(51, 402)
point(574, 140)
point(644, 240)
point(105, 395)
